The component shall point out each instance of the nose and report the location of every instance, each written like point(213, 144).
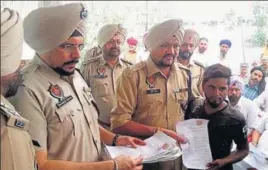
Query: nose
point(171, 50)
point(76, 53)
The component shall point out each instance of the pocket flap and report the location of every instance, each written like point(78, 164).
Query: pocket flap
point(62, 114)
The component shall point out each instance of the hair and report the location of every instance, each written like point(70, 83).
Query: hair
point(217, 71)
point(262, 83)
point(203, 38)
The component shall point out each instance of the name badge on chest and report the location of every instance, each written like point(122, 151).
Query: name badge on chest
point(101, 73)
point(151, 81)
point(57, 92)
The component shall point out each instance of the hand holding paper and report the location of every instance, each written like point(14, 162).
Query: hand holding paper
point(196, 152)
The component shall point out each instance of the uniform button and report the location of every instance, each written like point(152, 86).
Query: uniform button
point(79, 110)
point(89, 122)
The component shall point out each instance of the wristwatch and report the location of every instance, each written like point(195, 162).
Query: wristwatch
point(115, 139)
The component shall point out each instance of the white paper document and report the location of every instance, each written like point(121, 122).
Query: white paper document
point(158, 148)
point(196, 153)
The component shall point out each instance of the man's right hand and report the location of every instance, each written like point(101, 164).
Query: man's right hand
point(129, 163)
point(174, 135)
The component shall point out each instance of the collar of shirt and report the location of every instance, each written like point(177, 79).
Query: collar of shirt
point(153, 69)
point(40, 63)
point(103, 62)
point(256, 87)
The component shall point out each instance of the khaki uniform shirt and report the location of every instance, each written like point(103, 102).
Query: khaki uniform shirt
point(17, 151)
point(197, 72)
point(62, 112)
point(102, 80)
point(145, 96)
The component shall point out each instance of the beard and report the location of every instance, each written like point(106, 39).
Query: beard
point(185, 55)
point(12, 87)
point(114, 52)
point(213, 103)
point(234, 99)
point(162, 62)
point(201, 50)
point(62, 72)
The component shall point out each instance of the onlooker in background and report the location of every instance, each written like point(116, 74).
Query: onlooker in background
point(265, 49)
point(255, 63)
point(256, 84)
point(264, 64)
point(223, 57)
point(262, 101)
point(244, 72)
point(200, 54)
point(144, 53)
point(258, 151)
point(196, 69)
point(244, 105)
point(131, 55)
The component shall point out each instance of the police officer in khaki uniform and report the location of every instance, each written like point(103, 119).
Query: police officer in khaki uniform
point(56, 99)
point(150, 93)
point(17, 152)
point(190, 42)
point(102, 72)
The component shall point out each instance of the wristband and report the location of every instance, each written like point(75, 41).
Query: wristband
point(115, 139)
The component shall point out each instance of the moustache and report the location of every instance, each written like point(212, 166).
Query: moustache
point(114, 49)
point(185, 55)
point(167, 55)
point(70, 62)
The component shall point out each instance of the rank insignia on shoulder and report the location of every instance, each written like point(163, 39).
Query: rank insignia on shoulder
point(19, 123)
point(101, 73)
point(56, 92)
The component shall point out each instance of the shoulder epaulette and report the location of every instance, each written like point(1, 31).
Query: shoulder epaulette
point(126, 61)
point(90, 60)
point(138, 66)
point(199, 64)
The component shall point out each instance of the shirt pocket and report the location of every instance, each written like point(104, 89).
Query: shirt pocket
point(69, 121)
point(101, 89)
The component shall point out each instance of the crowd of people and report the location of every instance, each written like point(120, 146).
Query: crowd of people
point(55, 116)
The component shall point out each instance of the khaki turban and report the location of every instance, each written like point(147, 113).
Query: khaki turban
point(191, 34)
point(109, 31)
point(48, 27)
point(162, 32)
point(11, 41)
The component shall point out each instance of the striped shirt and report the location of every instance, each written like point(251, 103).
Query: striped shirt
point(251, 92)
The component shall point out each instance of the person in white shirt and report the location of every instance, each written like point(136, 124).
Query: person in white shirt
point(200, 54)
point(257, 158)
point(262, 100)
point(223, 58)
point(247, 107)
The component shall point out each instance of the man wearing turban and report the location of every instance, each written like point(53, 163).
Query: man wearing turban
point(247, 107)
point(131, 54)
point(56, 99)
point(196, 69)
point(102, 72)
point(17, 152)
point(150, 94)
point(223, 58)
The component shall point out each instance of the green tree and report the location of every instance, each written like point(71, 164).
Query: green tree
point(260, 12)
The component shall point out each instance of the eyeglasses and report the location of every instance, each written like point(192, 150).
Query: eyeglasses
point(72, 47)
